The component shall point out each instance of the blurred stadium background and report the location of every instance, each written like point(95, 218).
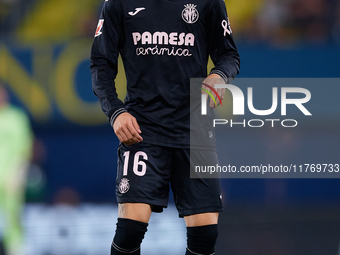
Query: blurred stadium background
point(70, 202)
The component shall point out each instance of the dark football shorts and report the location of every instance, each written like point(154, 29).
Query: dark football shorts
point(146, 171)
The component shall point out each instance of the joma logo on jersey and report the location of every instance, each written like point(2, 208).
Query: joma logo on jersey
point(163, 38)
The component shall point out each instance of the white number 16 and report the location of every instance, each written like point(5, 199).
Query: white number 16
point(136, 163)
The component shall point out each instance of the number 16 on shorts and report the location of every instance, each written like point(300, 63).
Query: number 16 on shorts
point(139, 166)
point(131, 165)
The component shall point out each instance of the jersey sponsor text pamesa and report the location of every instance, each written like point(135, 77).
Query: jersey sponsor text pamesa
point(163, 38)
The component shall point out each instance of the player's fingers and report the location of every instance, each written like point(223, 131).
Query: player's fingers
point(212, 103)
point(136, 126)
point(133, 133)
point(128, 138)
point(215, 102)
point(204, 92)
point(222, 93)
point(122, 137)
point(119, 137)
point(122, 133)
point(217, 97)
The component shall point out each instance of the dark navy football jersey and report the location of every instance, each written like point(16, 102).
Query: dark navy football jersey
point(163, 43)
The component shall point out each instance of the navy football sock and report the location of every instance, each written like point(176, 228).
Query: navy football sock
point(129, 236)
point(201, 240)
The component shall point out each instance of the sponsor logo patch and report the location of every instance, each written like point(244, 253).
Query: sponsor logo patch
point(99, 28)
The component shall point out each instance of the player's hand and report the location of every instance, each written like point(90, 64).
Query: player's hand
point(127, 129)
point(211, 80)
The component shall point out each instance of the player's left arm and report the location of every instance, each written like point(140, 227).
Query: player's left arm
point(222, 49)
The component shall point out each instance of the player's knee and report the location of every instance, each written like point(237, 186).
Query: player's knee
point(129, 236)
point(202, 239)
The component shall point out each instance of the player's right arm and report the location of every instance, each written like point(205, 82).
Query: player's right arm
point(104, 68)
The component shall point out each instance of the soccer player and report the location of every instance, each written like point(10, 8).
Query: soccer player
point(163, 43)
point(16, 140)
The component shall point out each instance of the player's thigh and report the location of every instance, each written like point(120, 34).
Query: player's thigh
point(135, 211)
point(195, 196)
point(201, 219)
